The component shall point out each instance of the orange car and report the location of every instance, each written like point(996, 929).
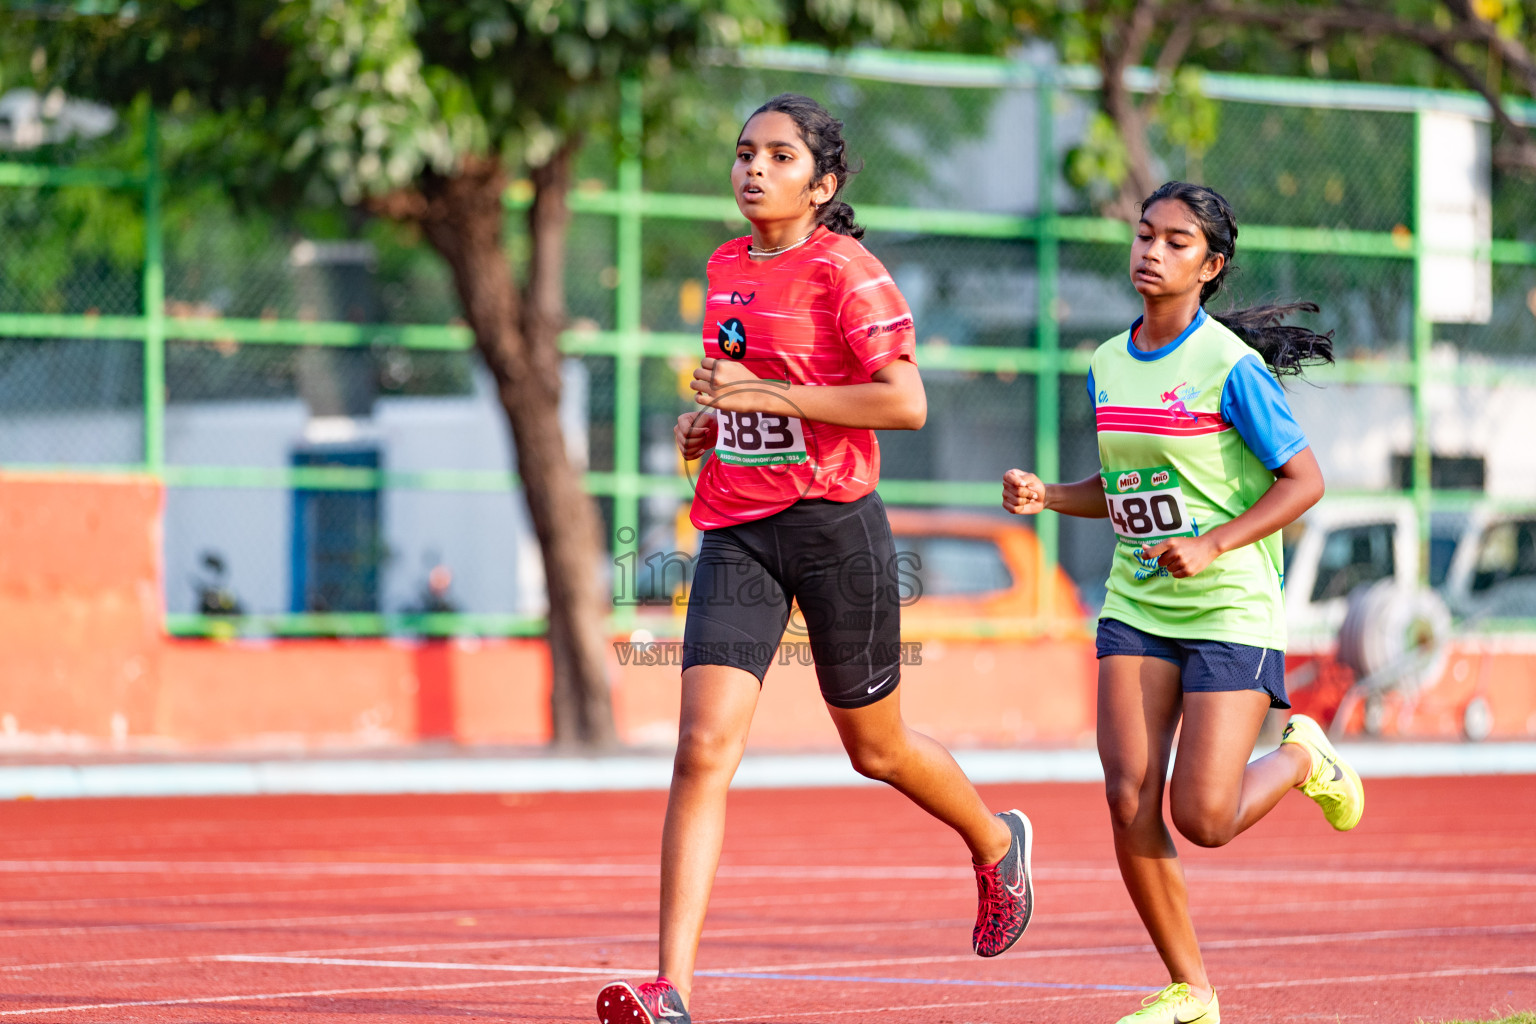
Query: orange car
point(963, 574)
point(978, 575)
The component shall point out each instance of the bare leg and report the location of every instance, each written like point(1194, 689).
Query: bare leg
point(1215, 793)
point(1139, 705)
point(717, 708)
point(882, 747)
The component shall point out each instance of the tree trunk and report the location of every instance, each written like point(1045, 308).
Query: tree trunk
point(1119, 52)
point(518, 337)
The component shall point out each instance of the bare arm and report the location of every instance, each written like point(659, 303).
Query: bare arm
point(893, 400)
point(1024, 494)
point(1298, 486)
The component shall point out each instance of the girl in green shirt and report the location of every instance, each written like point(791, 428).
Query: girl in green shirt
point(1202, 466)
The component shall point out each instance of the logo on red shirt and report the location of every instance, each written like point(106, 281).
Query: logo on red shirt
point(733, 338)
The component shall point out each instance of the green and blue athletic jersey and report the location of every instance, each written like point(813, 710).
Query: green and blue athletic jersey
point(1188, 436)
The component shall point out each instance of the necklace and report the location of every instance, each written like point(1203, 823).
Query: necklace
point(752, 250)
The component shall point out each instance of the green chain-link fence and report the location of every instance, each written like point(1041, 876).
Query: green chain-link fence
point(328, 439)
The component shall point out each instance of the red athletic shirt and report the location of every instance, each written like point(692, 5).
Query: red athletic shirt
point(824, 313)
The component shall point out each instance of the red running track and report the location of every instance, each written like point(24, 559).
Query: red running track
point(832, 905)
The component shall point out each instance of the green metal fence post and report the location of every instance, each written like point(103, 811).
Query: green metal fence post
point(154, 304)
point(626, 406)
point(1423, 338)
point(1047, 334)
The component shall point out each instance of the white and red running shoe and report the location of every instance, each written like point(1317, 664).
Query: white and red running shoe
point(1005, 893)
point(654, 1002)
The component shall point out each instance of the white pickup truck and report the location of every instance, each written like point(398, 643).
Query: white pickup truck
point(1482, 561)
point(1410, 653)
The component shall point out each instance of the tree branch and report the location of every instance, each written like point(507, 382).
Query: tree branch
point(1315, 23)
point(1518, 148)
point(1115, 56)
point(1515, 56)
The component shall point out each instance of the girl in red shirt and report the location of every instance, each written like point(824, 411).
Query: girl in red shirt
point(808, 350)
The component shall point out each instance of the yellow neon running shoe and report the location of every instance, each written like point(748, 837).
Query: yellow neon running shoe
point(1175, 1005)
point(1333, 784)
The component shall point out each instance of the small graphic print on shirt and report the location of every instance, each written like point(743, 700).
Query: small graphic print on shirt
point(733, 338)
point(1146, 568)
point(875, 330)
point(1176, 398)
point(745, 300)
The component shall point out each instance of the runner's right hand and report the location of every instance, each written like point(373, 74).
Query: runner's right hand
point(1023, 493)
point(695, 433)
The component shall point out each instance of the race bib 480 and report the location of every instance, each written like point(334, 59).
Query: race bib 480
point(1147, 504)
point(760, 439)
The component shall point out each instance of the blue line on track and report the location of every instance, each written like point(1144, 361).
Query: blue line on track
point(917, 981)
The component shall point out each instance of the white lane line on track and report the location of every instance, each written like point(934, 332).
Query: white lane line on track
point(577, 974)
point(417, 947)
point(1443, 972)
point(250, 924)
point(1284, 940)
point(1270, 875)
point(303, 994)
point(649, 906)
point(382, 990)
point(1089, 993)
point(360, 892)
point(722, 933)
point(1269, 940)
point(327, 961)
point(582, 973)
point(881, 1010)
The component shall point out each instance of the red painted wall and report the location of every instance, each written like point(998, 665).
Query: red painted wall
point(80, 608)
point(85, 665)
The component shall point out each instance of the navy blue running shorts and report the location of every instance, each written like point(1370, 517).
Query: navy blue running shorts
point(837, 562)
point(1207, 666)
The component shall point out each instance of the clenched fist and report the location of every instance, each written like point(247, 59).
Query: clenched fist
point(1023, 493)
point(1183, 556)
point(695, 433)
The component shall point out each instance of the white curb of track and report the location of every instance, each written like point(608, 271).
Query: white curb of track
point(578, 774)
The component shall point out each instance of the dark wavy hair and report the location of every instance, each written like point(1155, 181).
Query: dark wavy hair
point(1285, 348)
point(823, 136)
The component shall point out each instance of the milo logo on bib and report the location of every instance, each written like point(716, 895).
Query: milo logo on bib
point(1147, 505)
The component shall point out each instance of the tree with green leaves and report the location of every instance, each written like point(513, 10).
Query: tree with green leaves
point(1488, 46)
point(423, 111)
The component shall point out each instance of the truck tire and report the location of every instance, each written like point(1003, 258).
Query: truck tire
point(1395, 637)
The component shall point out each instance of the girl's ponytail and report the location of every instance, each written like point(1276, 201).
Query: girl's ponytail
point(1285, 348)
point(838, 217)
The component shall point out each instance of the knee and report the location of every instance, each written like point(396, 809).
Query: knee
point(1203, 826)
point(878, 761)
point(1131, 800)
point(704, 752)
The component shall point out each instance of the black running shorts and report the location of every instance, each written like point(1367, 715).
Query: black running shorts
point(836, 561)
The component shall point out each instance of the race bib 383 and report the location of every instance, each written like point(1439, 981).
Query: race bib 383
point(760, 439)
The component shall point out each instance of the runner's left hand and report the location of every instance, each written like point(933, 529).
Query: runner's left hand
point(716, 383)
point(1183, 556)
